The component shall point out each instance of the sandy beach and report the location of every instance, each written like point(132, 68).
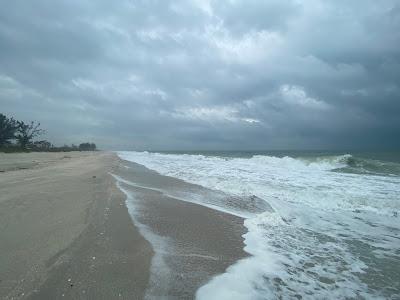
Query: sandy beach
point(66, 232)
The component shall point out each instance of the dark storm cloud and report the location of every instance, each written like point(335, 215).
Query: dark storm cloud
point(205, 74)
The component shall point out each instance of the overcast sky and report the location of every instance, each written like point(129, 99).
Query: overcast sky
point(204, 74)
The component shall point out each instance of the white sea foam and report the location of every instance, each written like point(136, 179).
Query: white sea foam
point(289, 179)
point(328, 230)
point(159, 272)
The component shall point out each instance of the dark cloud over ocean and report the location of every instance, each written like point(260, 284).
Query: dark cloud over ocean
point(205, 74)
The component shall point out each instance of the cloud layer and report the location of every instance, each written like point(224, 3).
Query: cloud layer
point(237, 74)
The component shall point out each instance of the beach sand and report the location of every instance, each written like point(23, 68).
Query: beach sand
point(65, 231)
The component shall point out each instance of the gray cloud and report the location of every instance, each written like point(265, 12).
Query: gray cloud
point(205, 74)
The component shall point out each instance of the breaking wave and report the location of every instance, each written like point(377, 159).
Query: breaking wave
point(332, 232)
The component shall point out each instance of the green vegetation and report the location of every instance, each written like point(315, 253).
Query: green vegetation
point(87, 147)
point(27, 132)
point(18, 136)
point(8, 128)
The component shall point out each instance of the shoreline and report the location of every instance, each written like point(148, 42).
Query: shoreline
point(69, 232)
point(192, 242)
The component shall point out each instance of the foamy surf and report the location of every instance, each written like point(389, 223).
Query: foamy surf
point(333, 230)
point(159, 272)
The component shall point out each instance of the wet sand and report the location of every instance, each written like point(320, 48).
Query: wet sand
point(194, 242)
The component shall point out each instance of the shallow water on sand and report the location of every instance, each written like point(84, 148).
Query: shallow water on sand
point(191, 242)
point(319, 225)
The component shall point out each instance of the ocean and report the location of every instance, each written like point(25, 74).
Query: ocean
point(320, 224)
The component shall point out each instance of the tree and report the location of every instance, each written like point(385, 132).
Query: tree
point(87, 147)
point(42, 145)
point(27, 132)
point(8, 127)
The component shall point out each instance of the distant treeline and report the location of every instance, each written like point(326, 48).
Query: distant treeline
point(17, 136)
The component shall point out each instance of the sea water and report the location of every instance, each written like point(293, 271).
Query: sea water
point(333, 230)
